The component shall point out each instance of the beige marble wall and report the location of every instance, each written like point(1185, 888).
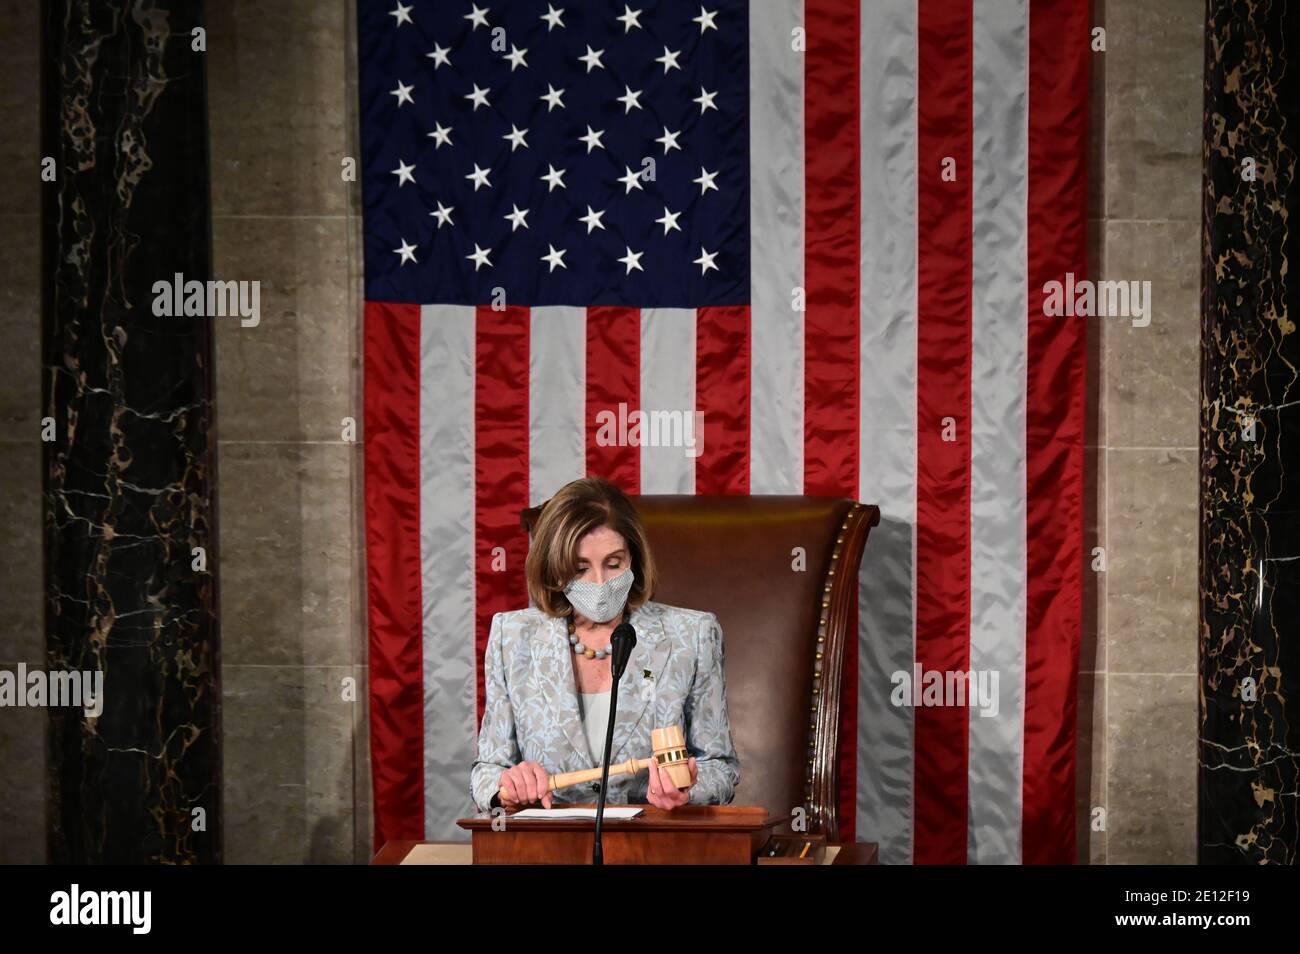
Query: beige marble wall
point(281, 120)
point(282, 103)
point(22, 731)
point(1137, 687)
point(296, 784)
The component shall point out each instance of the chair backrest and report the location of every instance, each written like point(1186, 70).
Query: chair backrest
point(781, 574)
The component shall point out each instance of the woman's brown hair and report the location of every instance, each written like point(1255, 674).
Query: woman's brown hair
point(576, 509)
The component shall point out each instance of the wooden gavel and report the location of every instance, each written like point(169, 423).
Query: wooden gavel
point(669, 745)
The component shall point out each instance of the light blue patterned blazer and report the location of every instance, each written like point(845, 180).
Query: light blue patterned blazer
point(674, 677)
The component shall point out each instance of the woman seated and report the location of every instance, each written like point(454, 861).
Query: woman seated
point(548, 675)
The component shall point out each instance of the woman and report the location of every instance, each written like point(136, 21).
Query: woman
point(548, 675)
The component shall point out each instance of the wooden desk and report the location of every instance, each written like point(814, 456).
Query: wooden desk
point(692, 834)
point(460, 853)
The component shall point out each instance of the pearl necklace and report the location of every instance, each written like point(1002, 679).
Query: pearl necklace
point(582, 650)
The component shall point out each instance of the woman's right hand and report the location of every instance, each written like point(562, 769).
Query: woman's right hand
point(524, 784)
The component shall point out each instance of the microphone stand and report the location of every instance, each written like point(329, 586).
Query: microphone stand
point(624, 639)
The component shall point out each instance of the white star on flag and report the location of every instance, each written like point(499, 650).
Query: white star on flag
point(442, 134)
point(632, 180)
point(629, 19)
point(592, 58)
point(552, 17)
point(516, 57)
point(630, 99)
point(669, 60)
point(632, 260)
point(552, 97)
point(403, 94)
point(669, 140)
point(705, 180)
point(480, 257)
point(705, 99)
point(443, 215)
point(516, 137)
point(478, 18)
point(403, 15)
point(406, 251)
point(705, 261)
point(403, 173)
point(517, 217)
point(480, 177)
point(592, 139)
point(439, 56)
point(554, 177)
point(705, 20)
point(555, 257)
point(478, 97)
point(592, 219)
point(669, 220)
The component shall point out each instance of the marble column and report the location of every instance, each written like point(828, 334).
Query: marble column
point(1250, 436)
point(129, 457)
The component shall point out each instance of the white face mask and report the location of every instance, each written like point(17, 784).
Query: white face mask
point(600, 602)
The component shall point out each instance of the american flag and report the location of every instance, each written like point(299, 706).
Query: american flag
point(821, 225)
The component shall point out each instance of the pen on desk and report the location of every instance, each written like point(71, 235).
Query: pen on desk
point(806, 846)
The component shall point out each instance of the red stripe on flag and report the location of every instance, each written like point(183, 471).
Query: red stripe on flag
point(722, 398)
point(1054, 422)
point(392, 492)
point(501, 341)
point(943, 386)
point(832, 276)
point(613, 378)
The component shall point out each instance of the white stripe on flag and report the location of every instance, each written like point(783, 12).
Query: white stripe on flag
point(998, 361)
point(887, 457)
point(557, 398)
point(776, 242)
point(446, 563)
point(667, 385)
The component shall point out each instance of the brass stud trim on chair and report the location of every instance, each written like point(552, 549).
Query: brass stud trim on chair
point(823, 626)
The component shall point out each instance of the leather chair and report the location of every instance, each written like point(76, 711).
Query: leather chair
point(785, 629)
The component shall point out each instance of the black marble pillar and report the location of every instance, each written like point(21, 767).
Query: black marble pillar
point(1249, 745)
point(129, 474)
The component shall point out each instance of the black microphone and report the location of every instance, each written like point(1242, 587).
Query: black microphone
point(623, 641)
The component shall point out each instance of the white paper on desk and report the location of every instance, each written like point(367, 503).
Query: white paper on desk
point(558, 813)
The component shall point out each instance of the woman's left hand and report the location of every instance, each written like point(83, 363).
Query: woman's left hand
point(662, 793)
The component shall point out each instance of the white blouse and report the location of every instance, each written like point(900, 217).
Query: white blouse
point(595, 719)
